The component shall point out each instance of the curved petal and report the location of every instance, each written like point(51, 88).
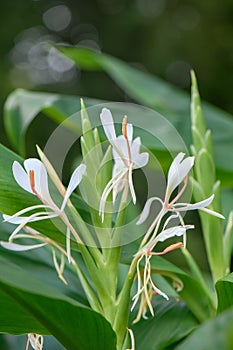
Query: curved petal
point(130, 132)
point(75, 180)
point(146, 210)
point(178, 171)
point(120, 150)
point(139, 159)
point(108, 125)
point(40, 179)
point(194, 206)
point(131, 186)
point(21, 177)
point(20, 247)
point(173, 231)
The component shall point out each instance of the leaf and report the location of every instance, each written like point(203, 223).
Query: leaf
point(23, 106)
point(43, 309)
point(172, 322)
point(166, 99)
point(224, 288)
point(214, 334)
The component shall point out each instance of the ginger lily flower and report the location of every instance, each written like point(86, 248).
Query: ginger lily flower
point(177, 174)
point(126, 155)
point(33, 178)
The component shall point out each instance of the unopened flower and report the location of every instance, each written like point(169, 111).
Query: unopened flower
point(126, 156)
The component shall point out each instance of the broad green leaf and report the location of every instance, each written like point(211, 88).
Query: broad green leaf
point(172, 322)
point(166, 99)
point(44, 309)
point(217, 333)
point(23, 106)
point(224, 288)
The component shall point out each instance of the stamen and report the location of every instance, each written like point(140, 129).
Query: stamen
point(32, 180)
point(124, 132)
point(32, 183)
point(124, 127)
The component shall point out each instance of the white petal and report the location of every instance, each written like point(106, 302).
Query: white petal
point(20, 247)
point(131, 186)
point(130, 132)
point(40, 177)
point(74, 182)
point(139, 159)
point(108, 125)
point(194, 206)
point(21, 176)
point(146, 210)
point(212, 212)
point(178, 171)
point(173, 231)
point(120, 150)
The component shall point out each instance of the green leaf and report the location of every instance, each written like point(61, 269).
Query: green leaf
point(23, 106)
point(217, 333)
point(224, 289)
point(166, 99)
point(43, 309)
point(172, 322)
point(193, 293)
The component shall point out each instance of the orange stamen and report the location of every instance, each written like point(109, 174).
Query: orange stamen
point(124, 127)
point(124, 133)
point(168, 249)
point(32, 180)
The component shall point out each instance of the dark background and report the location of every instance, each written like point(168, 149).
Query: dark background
point(164, 37)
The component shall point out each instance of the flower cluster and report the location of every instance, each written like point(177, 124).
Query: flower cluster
point(33, 178)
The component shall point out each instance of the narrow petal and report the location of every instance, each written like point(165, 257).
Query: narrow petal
point(130, 132)
point(74, 182)
point(120, 151)
point(178, 171)
point(131, 186)
point(108, 125)
point(194, 206)
point(212, 212)
point(20, 247)
point(21, 177)
point(146, 210)
point(139, 159)
point(173, 231)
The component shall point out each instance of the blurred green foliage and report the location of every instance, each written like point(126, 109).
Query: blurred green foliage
point(165, 37)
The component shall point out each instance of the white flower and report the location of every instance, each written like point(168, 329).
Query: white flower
point(177, 174)
point(33, 178)
point(126, 155)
